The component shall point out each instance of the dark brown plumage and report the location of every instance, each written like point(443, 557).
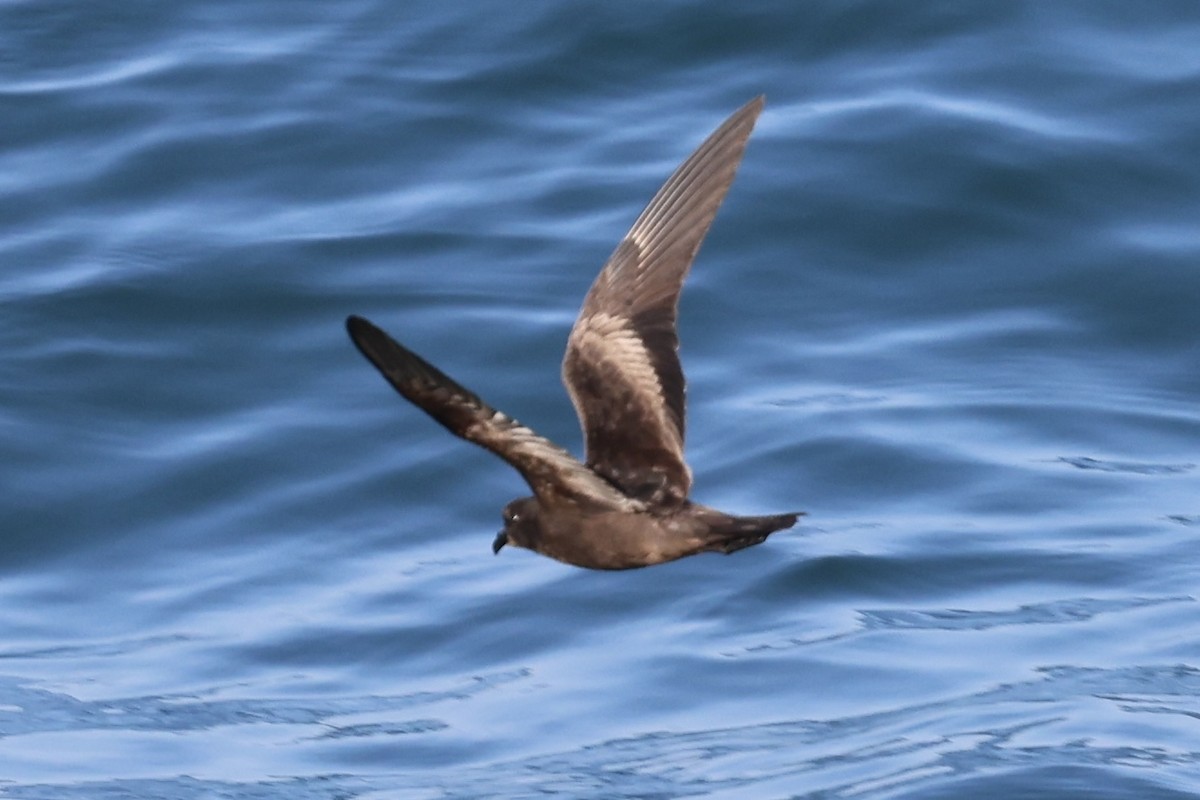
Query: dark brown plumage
point(628, 505)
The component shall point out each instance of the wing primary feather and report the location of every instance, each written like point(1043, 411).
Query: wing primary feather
point(697, 188)
point(423, 384)
point(548, 469)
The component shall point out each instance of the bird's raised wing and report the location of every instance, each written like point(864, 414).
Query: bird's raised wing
point(551, 472)
point(622, 363)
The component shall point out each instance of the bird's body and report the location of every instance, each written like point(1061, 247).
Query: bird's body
point(628, 505)
point(611, 538)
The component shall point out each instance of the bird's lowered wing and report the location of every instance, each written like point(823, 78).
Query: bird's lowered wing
point(551, 472)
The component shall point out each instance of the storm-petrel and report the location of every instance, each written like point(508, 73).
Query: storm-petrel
point(627, 505)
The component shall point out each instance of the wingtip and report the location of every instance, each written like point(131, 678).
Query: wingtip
point(370, 340)
point(361, 328)
point(754, 107)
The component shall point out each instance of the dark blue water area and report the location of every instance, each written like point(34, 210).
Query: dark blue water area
point(951, 309)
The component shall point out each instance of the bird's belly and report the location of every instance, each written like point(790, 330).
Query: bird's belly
point(617, 540)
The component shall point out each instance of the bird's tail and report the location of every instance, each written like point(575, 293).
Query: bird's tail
point(737, 533)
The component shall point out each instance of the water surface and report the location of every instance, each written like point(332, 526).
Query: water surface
point(949, 309)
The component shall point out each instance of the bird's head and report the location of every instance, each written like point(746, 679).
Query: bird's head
point(520, 525)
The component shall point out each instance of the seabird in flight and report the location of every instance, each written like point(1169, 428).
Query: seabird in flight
point(627, 504)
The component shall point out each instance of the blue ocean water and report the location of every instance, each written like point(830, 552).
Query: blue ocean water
point(951, 309)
